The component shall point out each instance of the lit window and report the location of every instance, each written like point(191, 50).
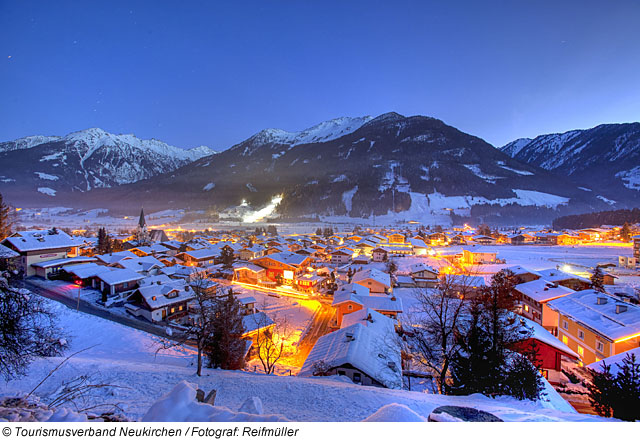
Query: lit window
point(526, 308)
point(565, 340)
point(581, 334)
point(580, 351)
point(598, 359)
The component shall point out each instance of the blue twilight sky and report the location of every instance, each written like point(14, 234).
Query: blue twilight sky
point(213, 73)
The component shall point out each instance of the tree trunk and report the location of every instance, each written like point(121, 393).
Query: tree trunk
point(199, 372)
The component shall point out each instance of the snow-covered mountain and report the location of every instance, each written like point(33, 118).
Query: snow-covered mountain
point(46, 165)
point(605, 158)
point(402, 167)
point(322, 132)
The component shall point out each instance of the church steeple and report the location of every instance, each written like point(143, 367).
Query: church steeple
point(142, 223)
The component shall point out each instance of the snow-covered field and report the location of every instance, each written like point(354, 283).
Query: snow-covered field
point(127, 358)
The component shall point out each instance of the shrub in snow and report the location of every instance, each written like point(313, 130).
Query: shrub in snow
point(253, 405)
point(17, 409)
point(180, 405)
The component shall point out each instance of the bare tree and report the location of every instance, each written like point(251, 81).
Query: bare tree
point(270, 340)
point(439, 313)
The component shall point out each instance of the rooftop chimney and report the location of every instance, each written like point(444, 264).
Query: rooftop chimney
point(620, 308)
point(601, 300)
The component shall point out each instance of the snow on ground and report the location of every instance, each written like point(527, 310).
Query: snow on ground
point(126, 358)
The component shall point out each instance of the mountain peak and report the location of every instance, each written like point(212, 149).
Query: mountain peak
point(387, 117)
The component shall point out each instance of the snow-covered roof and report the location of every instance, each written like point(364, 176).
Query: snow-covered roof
point(373, 274)
point(289, 258)
point(204, 254)
point(479, 250)
point(115, 257)
point(615, 359)
point(556, 275)
point(583, 307)
point(140, 264)
point(162, 295)
point(370, 349)
point(38, 240)
point(249, 266)
point(542, 290)
point(87, 270)
point(64, 261)
point(520, 270)
point(117, 276)
point(5, 252)
point(419, 267)
point(360, 295)
point(541, 334)
point(256, 321)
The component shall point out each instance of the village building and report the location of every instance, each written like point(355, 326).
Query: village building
point(51, 268)
point(38, 246)
point(522, 274)
point(424, 275)
point(283, 266)
point(533, 297)
point(161, 301)
point(597, 325)
point(549, 352)
point(250, 273)
point(352, 297)
point(373, 279)
point(478, 255)
point(379, 255)
point(118, 280)
point(364, 352)
point(341, 256)
point(565, 279)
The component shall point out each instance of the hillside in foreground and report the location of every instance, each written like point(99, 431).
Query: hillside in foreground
point(126, 359)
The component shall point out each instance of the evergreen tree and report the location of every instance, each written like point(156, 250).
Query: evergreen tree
point(226, 255)
point(5, 220)
point(28, 330)
point(486, 362)
point(625, 232)
point(597, 280)
point(104, 242)
point(319, 231)
point(272, 230)
point(617, 396)
point(483, 229)
point(225, 345)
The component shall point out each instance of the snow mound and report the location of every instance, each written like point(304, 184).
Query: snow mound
point(180, 405)
point(253, 405)
point(395, 412)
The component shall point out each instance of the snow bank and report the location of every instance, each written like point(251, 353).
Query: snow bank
point(180, 405)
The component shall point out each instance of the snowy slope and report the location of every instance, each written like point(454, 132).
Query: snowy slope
point(26, 142)
point(126, 358)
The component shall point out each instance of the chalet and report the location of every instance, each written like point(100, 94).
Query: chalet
point(478, 255)
point(200, 257)
point(419, 246)
point(179, 271)
point(549, 351)
point(254, 322)
point(248, 304)
point(341, 256)
point(597, 325)
point(362, 352)
point(283, 265)
point(565, 279)
point(353, 297)
point(249, 253)
point(249, 273)
point(379, 255)
point(118, 280)
point(484, 240)
point(396, 238)
point(468, 285)
point(568, 240)
point(405, 281)
point(154, 249)
point(161, 301)
point(516, 239)
point(361, 259)
point(423, 275)
point(39, 246)
point(437, 239)
point(628, 262)
point(533, 297)
point(373, 279)
point(309, 282)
